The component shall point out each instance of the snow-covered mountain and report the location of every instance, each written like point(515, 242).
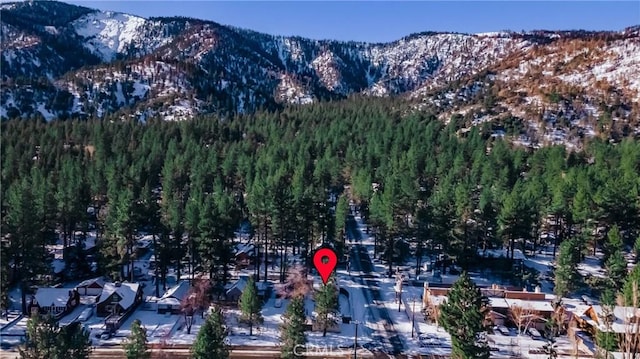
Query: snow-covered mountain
point(60, 61)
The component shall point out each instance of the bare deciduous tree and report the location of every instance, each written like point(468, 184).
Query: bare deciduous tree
point(523, 317)
point(297, 283)
point(432, 312)
point(198, 296)
point(630, 340)
point(573, 338)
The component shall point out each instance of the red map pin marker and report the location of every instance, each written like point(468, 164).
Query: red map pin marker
point(325, 266)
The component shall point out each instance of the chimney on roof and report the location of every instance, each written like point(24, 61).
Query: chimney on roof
point(118, 284)
point(537, 289)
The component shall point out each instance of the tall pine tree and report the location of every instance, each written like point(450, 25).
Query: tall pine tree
point(135, 346)
point(210, 342)
point(327, 306)
point(566, 273)
point(75, 342)
point(631, 287)
point(251, 305)
point(292, 334)
point(41, 338)
point(463, 317)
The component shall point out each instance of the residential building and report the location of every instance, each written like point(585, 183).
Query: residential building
point(234, 291)
point(118, 298)
point(54, 301)
point(171, 301)
point(91, 286)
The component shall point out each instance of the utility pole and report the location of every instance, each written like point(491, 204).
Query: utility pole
point(398, 289)
point(413, 317)
point(355, 341)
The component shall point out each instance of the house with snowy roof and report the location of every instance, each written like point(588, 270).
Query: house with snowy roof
point(91, 286)
point(507, 304)
point(234, 291)
point(171, 301)
point(118, 298)
point(54, 301)
point(621, 320)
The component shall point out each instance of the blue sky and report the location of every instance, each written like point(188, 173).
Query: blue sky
point(378, 21)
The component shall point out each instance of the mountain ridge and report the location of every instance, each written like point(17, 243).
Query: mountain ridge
point(92, 63)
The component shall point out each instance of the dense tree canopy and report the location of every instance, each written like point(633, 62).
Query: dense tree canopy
point(291, 173)
point(45, 339)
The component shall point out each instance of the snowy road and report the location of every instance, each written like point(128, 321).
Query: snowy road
point(377, 315)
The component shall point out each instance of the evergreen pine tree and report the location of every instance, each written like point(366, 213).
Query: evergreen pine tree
point(513, 224)
point(616, 268)
point(342, 210)
point(135, 346)
point(613, 259)
point(327, 306)
point(463, 317)
point(69, 197)
point(75, 342)
point(612, 244)
point(566, 273)
point(41, 338)
point(606, 339)
point(45, 339)
point(251, 305)
point(292, 334)
point(631, 286)
point(210, 342)
point(24, 248)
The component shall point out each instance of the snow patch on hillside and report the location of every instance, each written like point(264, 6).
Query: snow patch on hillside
point(52, 30)
point(8, 6)
point(181, 110)
point(290, 91)
point(294, 49)
point(48, 115)
point(140, 89)
point(108, 33)
point(9, 55)
point(326, 66)
point(119, 94)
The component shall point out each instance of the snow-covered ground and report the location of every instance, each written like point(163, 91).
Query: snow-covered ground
point(417, 335)
point(268, 333)
point(542, 262)
point(429, 339)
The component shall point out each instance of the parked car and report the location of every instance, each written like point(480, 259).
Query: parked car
point(534, 333)
point(504, 330)
point(104, 335)
point(86, 314)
